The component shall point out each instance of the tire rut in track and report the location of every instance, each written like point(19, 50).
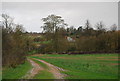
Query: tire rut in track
point(54, 70)
point(35, 70)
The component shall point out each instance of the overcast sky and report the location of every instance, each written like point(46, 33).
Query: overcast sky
point(74, 13)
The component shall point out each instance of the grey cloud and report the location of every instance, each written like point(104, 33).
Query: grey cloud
point(75, 13)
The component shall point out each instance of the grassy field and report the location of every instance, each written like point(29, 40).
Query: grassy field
point(16, 73)
point(99, 66)
point(95, 66)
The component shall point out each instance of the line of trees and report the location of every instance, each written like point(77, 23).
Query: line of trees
point(87, 39)
point(14, 42)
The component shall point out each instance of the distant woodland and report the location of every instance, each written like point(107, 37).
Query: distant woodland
point(56, 38)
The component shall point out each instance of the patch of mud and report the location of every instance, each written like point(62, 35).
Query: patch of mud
point(37, 55)
point(111, 59)
point(61, 57)
point(108, 57)
point(114, 64)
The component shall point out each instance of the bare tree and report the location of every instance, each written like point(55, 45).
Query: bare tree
point(87, 25)
point(7, 23)
point(7, 20)
point(100, 26)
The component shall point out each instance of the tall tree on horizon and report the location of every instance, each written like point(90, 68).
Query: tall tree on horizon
point(52, 25)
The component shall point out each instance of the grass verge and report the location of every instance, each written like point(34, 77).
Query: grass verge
point(16, 73)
